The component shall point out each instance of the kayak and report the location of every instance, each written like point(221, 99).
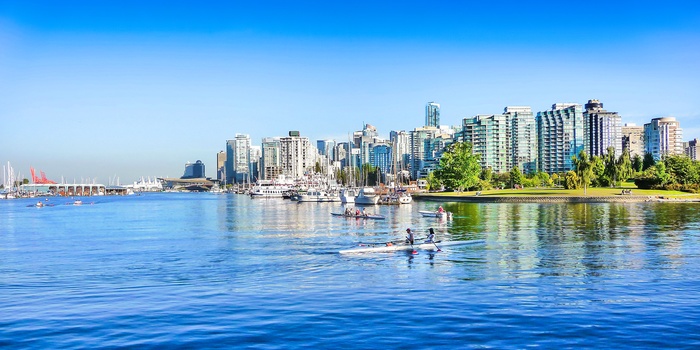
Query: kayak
point(368, 216)
point(392, 247)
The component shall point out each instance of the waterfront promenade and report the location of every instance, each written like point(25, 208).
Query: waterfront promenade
point(559, 196)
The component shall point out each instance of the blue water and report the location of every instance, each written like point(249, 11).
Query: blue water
point(220, 271)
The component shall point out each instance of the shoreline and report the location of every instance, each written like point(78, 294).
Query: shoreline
point(550, 199)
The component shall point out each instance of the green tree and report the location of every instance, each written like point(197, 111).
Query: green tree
point(648, 161)
point(624, 167)
point(543, 179)
point(611, 171)
point(486, 174)
point(317, 168)
point(681, 170)
point(571, 181)
point(434, 183)
point(459, 168)
point(584, 169)
point(516, 177)
point(637, 163)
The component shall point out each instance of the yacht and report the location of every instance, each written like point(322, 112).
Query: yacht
point(347, 195)
point(270, 188)
point(314, 195)
point(367, 196)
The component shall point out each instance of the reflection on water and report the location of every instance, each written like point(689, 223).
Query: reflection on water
point(536, 240)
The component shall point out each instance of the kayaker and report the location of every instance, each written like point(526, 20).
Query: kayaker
point(409, 236)
point(431, 236)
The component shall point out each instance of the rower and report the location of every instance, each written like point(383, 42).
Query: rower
point(409, 236)
point(431, 236)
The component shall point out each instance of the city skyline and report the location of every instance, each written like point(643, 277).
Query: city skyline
point(129, 90)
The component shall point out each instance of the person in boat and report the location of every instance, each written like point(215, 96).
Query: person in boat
point(364, 213)
point(431, 236)
point(357, 212)
point(409, 236)
point(440, 210)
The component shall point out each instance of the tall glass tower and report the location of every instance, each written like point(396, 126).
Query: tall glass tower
point(432, 114)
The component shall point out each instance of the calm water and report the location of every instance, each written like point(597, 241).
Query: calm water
point(221, 271)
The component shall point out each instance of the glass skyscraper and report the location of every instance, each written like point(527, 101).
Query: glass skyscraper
point(560, 137)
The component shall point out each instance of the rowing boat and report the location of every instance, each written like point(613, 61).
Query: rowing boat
point(435, 214)
point(392, 247)
point(368, 216)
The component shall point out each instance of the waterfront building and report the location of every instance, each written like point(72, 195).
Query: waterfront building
point(633, 139)
point(221, 166)
point(270, 167)
point(325, 148)
point(363, 140)
point(427, 145)
point(381, 157)
point(432, 114)
point(194, 170)
point(401, 148)
point(663, 136)
point(297, 155)
point(691, 149)
point(523, 138)
point(254, 166)
point(602, 130)
point(489, 135)
point(559, 137)
point(238, 159)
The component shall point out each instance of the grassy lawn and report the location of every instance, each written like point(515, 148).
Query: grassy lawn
point(591, 192)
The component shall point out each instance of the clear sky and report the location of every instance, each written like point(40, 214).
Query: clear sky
point(94, 89)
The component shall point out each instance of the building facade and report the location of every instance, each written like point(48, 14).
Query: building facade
point(194, 170)
point(489, 136)
point(663, 136)
point(602, 130)
point(297, 155)
point(432, 114)
point(559, 137)
point(523, 138)
point(270, 164)
point(633, 139)
point(691, 149)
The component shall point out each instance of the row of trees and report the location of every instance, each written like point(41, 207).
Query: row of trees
point(460, 170)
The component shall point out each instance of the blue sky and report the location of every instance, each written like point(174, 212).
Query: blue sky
point(94, 89)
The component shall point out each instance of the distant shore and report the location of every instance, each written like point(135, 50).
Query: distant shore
point(556, 196)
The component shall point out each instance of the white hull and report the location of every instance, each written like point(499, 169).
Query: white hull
point(353, 216)
point(383, 247)
point(367, 196)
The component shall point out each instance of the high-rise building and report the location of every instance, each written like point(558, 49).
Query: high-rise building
point(663, 136)
point(270, 167)
point(238, 159)
point(297, 155)
point(325, 148)
point(489, 136)
point(691, 149)
point(559, 137)
point(523, 138)
point(401, 149)
point(602, 130)
point(633, 139)
point(255, 157)
point(427, 145)
point(432, 114)
point(194, 170)
point(221, 166)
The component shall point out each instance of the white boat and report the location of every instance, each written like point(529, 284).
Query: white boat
point(347, 195)
point(436, 214)
point(367, 216)
point(405, 198)
point(78, 202)
point(314, 195)
point(367, 196)
point(392, 247)
point(270, 189)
